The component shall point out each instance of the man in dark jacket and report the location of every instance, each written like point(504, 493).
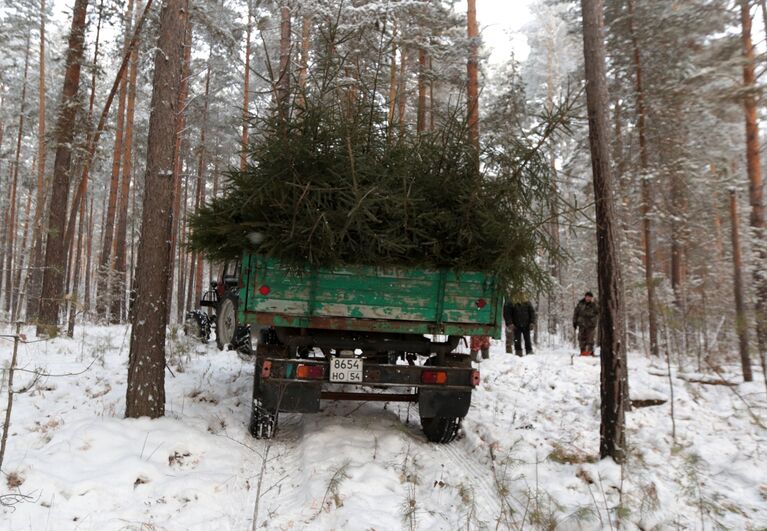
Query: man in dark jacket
point(585, 320)
point(520, 316)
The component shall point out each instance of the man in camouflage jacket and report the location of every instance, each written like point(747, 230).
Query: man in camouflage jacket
point(585, 319)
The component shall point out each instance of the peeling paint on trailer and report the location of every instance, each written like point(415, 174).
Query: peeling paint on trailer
point(368, 298)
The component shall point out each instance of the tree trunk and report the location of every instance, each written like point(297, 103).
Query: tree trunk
point(678, 229)
point(55, 252)
point(182, 259)
point(244, 138)
point(132, 272)
point(191, 289)
point(393, 76)
point(756, 189)
point(303, 71)
point(178, 165)
point(11, 290)
point(283, 81)
point(741, 322)
point(22, 253)
point(472, 68)
point(646, 190)
point(629, 321)
point(554, 268)
point(35, 275)
point(75, 301)
point(88, 261)
point(201, 161)
point(402, 89)
point(91, 151)
point(431, 95)
point(421, 116)
point(763, 6)
point(84, 178)
point(106, 265)
point(121, 234)
point(613, 357)
point(146, 366)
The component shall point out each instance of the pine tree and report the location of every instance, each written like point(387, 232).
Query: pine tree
point(117, 312)
point(55, 251)
point(472, 91)
point(613, 356)
point(756, 191)
point(11, 290)
point(146, 369)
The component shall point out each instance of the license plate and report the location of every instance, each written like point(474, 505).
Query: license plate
point(346, 370)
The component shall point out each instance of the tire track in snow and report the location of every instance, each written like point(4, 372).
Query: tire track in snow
point(479, 479)
point(283, 479)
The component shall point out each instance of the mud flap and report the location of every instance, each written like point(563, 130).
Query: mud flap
point(296, 397)
point(433, 403)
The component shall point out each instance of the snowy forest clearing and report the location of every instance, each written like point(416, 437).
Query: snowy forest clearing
point(527, 458)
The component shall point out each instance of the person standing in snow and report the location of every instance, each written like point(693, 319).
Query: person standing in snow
point(585, 319)
point(520, 319)
point(477, 344)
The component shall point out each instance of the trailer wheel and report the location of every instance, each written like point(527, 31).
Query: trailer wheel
point(441, 430)
point(263, 423)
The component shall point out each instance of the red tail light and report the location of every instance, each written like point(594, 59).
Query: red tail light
point(433, 377)
point(266, 370)
point(310, 372)
point(474, 378)
point(264, 290)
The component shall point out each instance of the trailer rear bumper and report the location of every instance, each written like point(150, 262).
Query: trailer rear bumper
point(279, 388)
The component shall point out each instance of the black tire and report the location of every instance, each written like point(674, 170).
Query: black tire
point(192, 328)
point(263, 423)
point(244, 344)
point(197, 326)
point(441, 430)
point(226, 320)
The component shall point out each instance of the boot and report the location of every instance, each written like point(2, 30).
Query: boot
point(485, 353)
point(519, 353)
point(474, 355)
point(585, 353)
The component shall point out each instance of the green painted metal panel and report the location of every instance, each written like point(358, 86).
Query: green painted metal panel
point(387, 299)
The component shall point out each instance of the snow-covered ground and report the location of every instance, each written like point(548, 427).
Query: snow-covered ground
point(526, 458)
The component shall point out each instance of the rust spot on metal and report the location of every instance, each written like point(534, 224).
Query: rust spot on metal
point(369, 325)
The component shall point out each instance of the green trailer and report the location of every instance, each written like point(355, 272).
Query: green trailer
point(369, 333)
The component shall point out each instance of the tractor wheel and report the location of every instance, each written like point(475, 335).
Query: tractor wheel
point(226, 320)
point(197, 325)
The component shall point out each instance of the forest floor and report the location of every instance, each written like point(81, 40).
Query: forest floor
point(527, 457)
